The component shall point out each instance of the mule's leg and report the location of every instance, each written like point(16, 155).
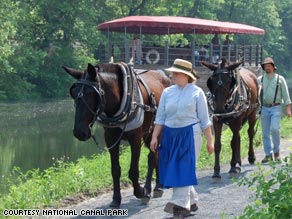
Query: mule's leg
point(217, 148)
point(134, 137)
point(235, 146)
point(150, 168)
point(158, 190)
point(115, 165)
point(251, 133)
point(148, 184)
point(152, 165)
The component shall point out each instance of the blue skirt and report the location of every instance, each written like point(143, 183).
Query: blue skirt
point(177, 164)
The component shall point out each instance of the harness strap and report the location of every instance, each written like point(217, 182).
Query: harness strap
point(276, 92)
point(121, 117)
point(152, 107)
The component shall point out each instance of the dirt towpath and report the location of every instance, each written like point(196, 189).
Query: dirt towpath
point(225, 198)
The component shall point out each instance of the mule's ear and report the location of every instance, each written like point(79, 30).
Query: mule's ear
point(73, 72)
point(91, 70)
point(234, 65)
point(209, 65)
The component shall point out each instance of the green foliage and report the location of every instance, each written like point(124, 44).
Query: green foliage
point(272, 187)
point(7, 33)
point(273, 191)
point(206, 161)
point(286, 128)
point(39, 189)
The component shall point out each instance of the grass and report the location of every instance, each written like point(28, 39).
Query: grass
point(39, 189)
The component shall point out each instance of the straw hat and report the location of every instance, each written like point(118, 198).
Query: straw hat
point(185, 67)
point(268, 60)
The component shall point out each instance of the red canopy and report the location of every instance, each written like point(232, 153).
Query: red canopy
point(173, 25)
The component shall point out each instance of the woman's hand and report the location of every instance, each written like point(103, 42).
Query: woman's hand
point(210, 147)
point(153, 144)
point(154, 140)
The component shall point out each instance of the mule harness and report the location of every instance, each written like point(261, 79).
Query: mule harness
point(239, 98)
point(121, 119)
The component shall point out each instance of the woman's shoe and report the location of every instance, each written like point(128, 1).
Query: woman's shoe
point(194, 207)
point(180, 212)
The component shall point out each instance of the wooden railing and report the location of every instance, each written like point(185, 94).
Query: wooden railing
point(252, 55)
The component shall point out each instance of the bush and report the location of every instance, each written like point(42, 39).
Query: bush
point(273, 191)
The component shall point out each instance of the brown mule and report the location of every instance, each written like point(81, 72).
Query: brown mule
point(124, 103)
point(233, 100)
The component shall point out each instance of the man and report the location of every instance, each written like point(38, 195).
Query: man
point(227, 40)
point(274, 96)
point(227, 51)
point(137, 53)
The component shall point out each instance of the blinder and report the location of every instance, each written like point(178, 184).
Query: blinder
point(71, 90)
point(80, 94)
point(220, 81)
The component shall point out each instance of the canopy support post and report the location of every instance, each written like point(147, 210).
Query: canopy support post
point(140, 49)
point(166, 50)
point(127, 47)
point(110, 45)
point(194, 49)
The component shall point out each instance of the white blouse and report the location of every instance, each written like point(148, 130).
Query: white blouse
point(180, 107)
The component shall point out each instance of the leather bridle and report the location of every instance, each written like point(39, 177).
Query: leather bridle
point(97, 89)
point(230, 91)
point(220, 82)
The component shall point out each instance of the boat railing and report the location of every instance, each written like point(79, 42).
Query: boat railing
point(151, 53)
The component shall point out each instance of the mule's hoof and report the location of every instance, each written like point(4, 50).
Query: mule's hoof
point(145, 200)
point(216, 178)
point(251, 160)
point(238, 169)
point(141, 193)
point(234, 172)
point(157, 193)
point(115, 204)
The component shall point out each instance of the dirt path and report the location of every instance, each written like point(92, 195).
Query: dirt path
point(216, 199)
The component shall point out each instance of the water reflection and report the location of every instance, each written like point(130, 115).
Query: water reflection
point(32, 135)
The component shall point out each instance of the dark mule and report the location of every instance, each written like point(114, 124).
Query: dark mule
point(233, 100)
point(109, 93)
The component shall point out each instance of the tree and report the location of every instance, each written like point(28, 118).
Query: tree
point(8, 12)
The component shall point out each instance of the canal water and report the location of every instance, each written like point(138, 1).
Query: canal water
point(36, 134)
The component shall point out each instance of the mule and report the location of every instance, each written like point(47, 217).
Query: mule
point(124, 102)
point(233, 100)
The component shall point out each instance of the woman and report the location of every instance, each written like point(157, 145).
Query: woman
point(182, 114)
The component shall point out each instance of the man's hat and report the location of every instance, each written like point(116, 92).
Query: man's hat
point(185, 67)
point(268, 60)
